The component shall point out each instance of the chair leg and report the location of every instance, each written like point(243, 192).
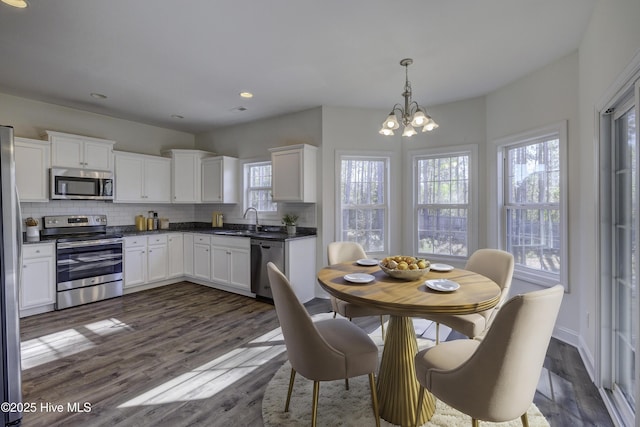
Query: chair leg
point(437, 333)
point(314, 405)
point(382, 326)
point(525, 420)
point(334, 314)
point(346, 383)
point(474, 423)
point(420, 399)
point(291, 379)
point(374, 398)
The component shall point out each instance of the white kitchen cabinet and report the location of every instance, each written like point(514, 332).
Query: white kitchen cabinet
point(157, 258)
point(33, 160)
point(293, 170)
point(38, 282)
point(175, 248)
point(146, 259)
point(186, 174)
point(202, 257)
point(75, 151)
point(219, 178)
point(188, 254)
point(141, 178)
point(230, 262)
point(300, 261)
point(135, 261)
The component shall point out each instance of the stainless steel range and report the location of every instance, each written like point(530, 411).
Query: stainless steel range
point(88, 259)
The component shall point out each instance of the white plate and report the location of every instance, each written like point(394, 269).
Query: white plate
point(367, 261)
point(442, 285)
point(441, 267)
point(359, 278)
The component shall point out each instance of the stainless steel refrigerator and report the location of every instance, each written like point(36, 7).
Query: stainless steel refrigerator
point(11, 235)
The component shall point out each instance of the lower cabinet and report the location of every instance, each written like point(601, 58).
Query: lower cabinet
point(231, 262)
point(38, 282)
point(175, 247)
point(202, 256)
point(146, 259)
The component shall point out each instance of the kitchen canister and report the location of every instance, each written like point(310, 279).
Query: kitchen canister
point(141, 223)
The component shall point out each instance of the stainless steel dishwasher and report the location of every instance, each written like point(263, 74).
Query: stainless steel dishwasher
point(262, 252)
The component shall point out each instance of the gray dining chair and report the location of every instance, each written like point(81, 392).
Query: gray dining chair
point(498, 266)
point(325, 350)
point(494, 378)
point(338, 252)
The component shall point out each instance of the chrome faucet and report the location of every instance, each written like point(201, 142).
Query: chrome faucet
point(256, 211)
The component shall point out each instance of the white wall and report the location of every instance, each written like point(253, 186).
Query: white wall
point(545, 97)
point(31, 118)
point(610, 42)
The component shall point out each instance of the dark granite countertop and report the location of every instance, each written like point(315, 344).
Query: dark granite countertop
point(234, 230)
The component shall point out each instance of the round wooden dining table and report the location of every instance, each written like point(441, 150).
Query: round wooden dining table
point(397, 384)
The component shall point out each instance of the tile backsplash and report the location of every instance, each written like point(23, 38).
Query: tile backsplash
point(117, 214)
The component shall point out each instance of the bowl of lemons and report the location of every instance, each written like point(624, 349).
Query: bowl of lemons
point(405, 267)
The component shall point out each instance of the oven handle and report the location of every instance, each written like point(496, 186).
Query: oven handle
point(85, 243)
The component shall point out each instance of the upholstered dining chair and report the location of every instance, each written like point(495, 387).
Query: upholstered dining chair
point(495, 378)
point(338, 252)
point(326, 350)
point(495, 264)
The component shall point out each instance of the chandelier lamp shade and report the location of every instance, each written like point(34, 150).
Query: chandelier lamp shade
point(411, 115)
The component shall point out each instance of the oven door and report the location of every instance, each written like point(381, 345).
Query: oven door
point(88, 263)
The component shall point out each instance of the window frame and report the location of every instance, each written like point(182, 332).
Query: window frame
point(559, 131)
point(472, 204)
point(246, 165)
point(356, 155)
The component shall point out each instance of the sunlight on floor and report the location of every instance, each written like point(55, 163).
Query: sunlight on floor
point(209, 379)
point(61, 344)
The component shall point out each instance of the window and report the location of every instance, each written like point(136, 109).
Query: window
point(443, 195)
point(533, 208)
point(363, 205)
point(258, 187)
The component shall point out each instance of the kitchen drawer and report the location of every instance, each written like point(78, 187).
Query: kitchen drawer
point(158, 239)
point(135, 241)
point(202, 238)
point(35, 251)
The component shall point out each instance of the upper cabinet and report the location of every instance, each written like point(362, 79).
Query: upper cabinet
point(84, 152)
point(219, 177)
point(33, 160)
point(186, 174)
point(293, 170)
point(140, 178)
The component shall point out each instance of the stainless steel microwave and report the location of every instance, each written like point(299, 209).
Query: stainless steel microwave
point(81, 184)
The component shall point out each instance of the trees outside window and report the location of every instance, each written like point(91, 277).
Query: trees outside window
point(258, 187)
point(442, 208)
point(363, 205)
point(533, 204)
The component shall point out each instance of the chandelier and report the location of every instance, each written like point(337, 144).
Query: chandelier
point(412, 115)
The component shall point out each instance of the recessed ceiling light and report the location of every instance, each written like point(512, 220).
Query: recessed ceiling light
point(21, 4)
point(177, 116)
point(246, 95)
point(97, 95)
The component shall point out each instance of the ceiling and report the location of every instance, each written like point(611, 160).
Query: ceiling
point(158, 58)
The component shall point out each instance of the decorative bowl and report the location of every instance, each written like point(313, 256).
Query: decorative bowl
point(404, 274)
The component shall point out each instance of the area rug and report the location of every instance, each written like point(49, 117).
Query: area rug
point(352, 408)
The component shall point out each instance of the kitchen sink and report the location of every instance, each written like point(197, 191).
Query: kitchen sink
point(234, 232)
point(269, 235)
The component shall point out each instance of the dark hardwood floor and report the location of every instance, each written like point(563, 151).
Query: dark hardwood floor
point(188, 355)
